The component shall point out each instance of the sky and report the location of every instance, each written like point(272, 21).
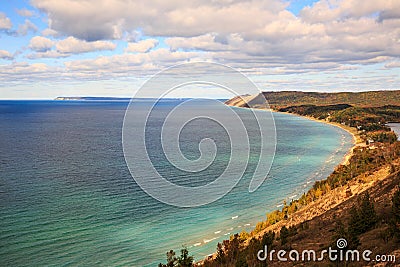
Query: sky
point(111, 47)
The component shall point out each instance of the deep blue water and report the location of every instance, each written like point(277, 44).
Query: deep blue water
point(67, 197)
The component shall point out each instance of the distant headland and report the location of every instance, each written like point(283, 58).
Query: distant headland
point(92, 98)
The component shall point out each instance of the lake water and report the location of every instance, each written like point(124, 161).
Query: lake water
point(67, 197)
point(395, 128)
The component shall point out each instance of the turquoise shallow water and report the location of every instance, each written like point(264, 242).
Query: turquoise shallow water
point(396, 128)
point(67, 197)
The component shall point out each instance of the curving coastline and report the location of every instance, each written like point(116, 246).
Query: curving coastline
point(357, 141)
point(335, 200)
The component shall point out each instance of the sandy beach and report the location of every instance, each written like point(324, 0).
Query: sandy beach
point(357, 141)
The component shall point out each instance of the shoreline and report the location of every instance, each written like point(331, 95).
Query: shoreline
point(357, 142)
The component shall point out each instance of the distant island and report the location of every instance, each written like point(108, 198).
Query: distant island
point(106, 98)
point(92, 98)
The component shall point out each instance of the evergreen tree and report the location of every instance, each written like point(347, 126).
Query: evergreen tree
point(241, 262)
point(283, 235)
point(395, 223)
point(220, 254)
point(268, 239)
point(354, 229)
point(184, 260)
point(171, 259)
point(233, 248)
point(340, 231)
point(367, 213)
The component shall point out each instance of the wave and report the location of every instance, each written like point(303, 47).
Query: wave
point(208, 240)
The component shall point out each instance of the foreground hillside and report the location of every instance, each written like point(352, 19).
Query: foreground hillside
point(320, 224)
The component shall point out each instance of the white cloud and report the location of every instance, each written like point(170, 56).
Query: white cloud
point(47, 54)
point(206, 42)
point(142, 64)
point(40, 44)
point(74, 46)
point(5, 22)
point(64, 48)
point(258, 31)
point(23, 69)
point(393, 64)
point(28, 26)
point(142, 46)
point(25, 12)
point(4, 54)
point(257, 37)
point(108, 19)
point(325, 10)
point(50, 32)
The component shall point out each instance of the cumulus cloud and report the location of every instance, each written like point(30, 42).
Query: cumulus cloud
point(5, 22)
point(64, 48)
point(18, 71)
point(40, 44)
point(74, 46)
point(142, 46)
point(108, 19)
point(50, 32)
point(47, 54)
point(206, 42)
point(25, 12)
point(326, 10)
point(255, 36)
point(4, 54)
point(328, 31)
point(140, 63)
point(28, 26)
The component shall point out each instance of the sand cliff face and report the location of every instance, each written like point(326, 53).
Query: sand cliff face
point(252, 101)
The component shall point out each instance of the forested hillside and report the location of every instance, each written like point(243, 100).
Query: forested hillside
point(362, 99)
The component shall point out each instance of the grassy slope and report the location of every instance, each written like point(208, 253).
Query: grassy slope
point(316, 223)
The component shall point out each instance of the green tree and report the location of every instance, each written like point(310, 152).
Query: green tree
point(220, 258)
point(395, 222)
point(171, 259)
point(233, 248)
point(268, 239)
point(367, 213)
point(355, 223)
point(283, 235)
point(184, 260)
point(241, 262)
point(350, 235)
